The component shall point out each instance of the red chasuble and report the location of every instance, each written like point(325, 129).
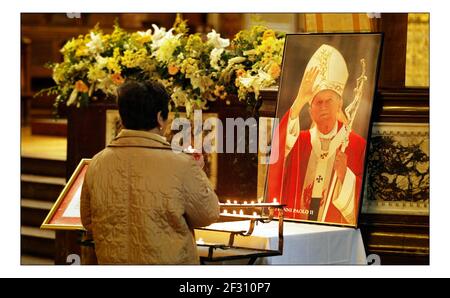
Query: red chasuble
point(286, 175)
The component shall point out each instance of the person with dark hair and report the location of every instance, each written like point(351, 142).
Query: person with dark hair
point(143, 106)
point(140, 199)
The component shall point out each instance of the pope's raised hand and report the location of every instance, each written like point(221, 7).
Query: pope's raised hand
point(305, 91)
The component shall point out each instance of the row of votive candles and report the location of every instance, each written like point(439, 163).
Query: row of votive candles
point(235, 202)
point(240, 214)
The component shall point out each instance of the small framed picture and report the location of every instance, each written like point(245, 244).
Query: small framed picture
point(65, 213)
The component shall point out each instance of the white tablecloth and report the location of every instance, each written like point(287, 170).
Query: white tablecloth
point(303, 243)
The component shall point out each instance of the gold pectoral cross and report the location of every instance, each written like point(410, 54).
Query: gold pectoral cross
point(319, 179)
point(324, 155)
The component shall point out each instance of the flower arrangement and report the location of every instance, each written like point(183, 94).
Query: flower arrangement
point(195, 70)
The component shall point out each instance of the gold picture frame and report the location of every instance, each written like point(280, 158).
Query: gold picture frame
point(65, 213)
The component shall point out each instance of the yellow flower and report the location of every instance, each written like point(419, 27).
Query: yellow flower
point(268, 33)
point(95, 73)
point(194, 46)
point(113, 65)
point(133, 59)
point(143, 36)
point(59, 72)
point(275, 70)
point(80, 86)
point(189, 66)
point(219, 91)
point(82, 51)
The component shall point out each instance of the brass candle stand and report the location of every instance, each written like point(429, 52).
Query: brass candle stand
point(261, 213)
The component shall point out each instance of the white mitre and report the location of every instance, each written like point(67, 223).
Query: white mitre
point(333, 72)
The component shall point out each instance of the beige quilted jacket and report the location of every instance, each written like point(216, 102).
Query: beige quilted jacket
point(140, 202)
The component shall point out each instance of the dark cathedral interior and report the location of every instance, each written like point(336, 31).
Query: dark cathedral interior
point(246, 66)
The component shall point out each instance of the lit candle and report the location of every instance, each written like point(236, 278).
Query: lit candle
point(260, 200)
point(234, 211)
point(241, 212)
point(255, 214)
point(225, 211)
point(228, 202)
point(245, 202)
point(275, 201)
point(235, 201)
point(252, 202)
point(200, 241)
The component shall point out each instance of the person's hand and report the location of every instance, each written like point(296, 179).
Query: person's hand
point(199, 159)
point(305, 91)
point(340, 165)
point(196, 155)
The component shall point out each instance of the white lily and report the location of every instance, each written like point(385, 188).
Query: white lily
point(166, 48)
point(236, 60)
point(188, 106)
point(145, 33)
point(159, 33)
point(73, 97)
point(200, 82)
point(214, 57)
point(96, 43)
point(264, 77)
point(247, 82)
point(101, 61)
point(161, 36)
point(216, 41)
point(179, 96)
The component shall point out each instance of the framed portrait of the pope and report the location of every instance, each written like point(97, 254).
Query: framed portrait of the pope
point(324, 108)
